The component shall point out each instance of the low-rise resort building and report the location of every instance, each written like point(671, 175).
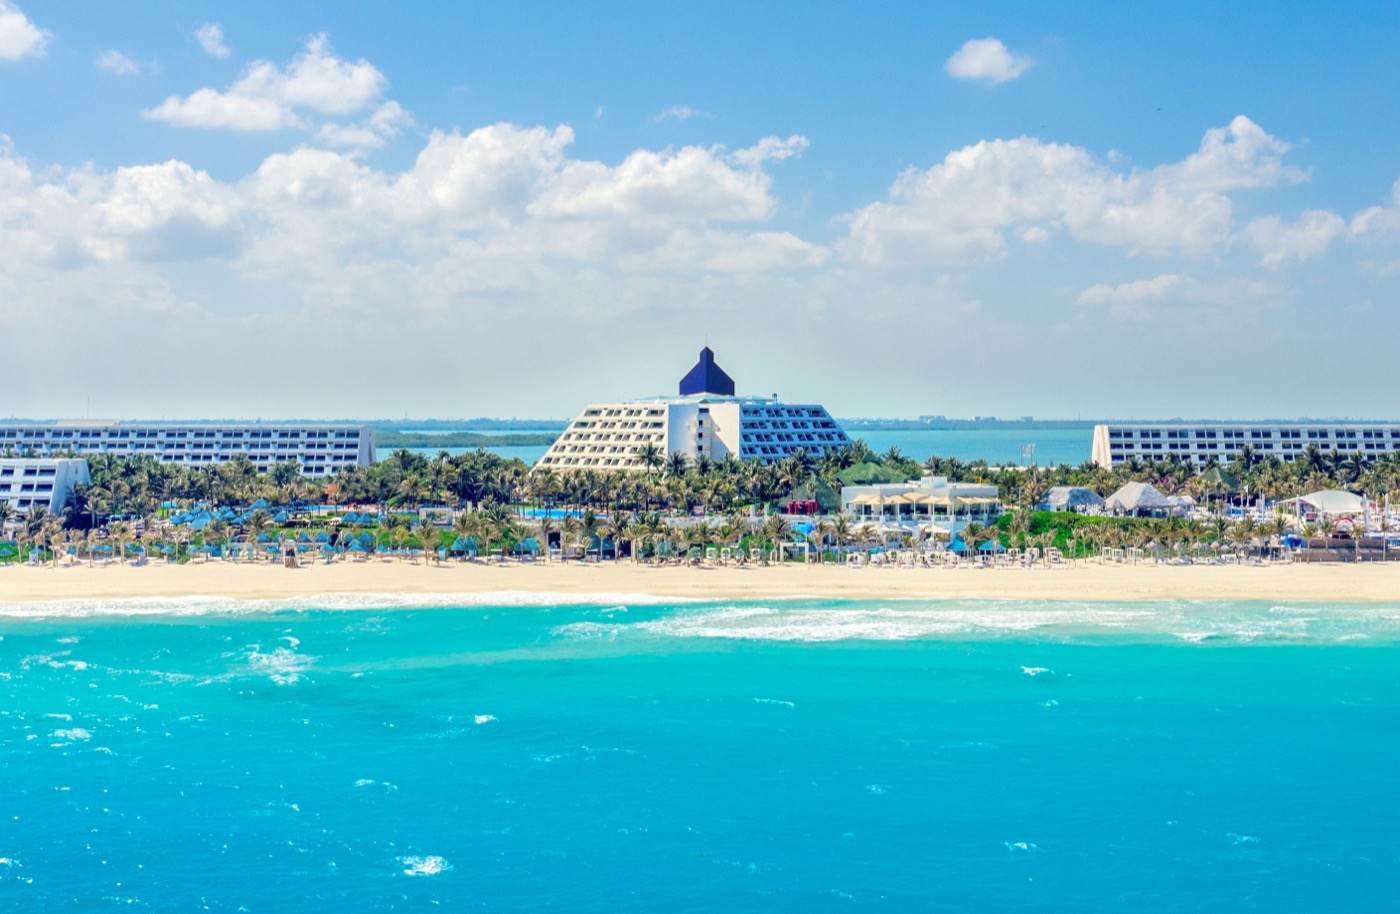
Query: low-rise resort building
point(931, 502)
point(46, 483)
point(707, 419)
point(319, 450)
point(1196, 444)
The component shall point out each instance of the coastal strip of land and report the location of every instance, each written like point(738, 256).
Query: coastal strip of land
point(1323, 582)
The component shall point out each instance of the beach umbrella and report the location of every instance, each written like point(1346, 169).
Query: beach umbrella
point(323, 537)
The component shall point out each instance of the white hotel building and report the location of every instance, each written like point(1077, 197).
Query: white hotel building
point(320, 450)
point(705, 420)
point(1195, 444)
point(46, 483)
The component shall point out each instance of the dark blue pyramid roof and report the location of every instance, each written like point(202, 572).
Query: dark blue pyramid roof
point(707, 378)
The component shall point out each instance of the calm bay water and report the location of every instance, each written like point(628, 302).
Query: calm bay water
point(632, 755)
point(996, 446)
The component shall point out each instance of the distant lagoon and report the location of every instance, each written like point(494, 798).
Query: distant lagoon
point(1053, 446)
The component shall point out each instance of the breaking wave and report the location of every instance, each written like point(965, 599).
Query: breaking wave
point(1194, 622)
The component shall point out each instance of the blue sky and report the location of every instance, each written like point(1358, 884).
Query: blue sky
point(486, 209)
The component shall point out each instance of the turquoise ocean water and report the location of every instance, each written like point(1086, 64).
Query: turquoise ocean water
point(627, 754)
point(997, 446)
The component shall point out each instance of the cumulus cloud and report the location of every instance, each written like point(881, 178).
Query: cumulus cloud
point(1278, 241)
point(211, 38)
point(268, 97)
point(387, 121)
point(1377, 222)
point(961, 209)
point(509, 193)
point(1139, 290)
point(118, 63)
point(987, 60)
point(19, 38)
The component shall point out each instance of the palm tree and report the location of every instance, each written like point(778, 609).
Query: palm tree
point(778, 529)
point(544, 526)
point(619, 528)
point(587, 531)
point(428, 534)
point(464, 525)
point(121, 533)
point(54, 537)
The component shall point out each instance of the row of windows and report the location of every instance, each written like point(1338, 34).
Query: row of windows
point(1314, 434)
point(51, 434)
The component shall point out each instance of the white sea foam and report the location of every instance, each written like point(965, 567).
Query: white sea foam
point(73, 733)
point(424, 866)
point(882, 622)
point(1021, 847)
point(775, 701)
point(1035, 670)
point(1190, 621)
point(484, 718)
point(282, 665)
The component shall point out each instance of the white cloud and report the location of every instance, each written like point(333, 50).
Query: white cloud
point(679, 113)
point(19, 38)
point(118, 63)
point(386, 122)
point(1377, 222)
point(211, 38)
point(986, 59)
point(505, 194)
point(268, 97)
point(1129, 292)
point(770, 148)
point(1278, 241)
point(960, 209)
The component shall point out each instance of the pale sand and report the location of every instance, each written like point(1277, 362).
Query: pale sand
point(1366, 582)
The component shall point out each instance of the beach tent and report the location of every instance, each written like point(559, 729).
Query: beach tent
point(1070, 498)
point(260, 503)
point(1335, 501)
point(991, 545)
point(323, 537)
point(1141, 499)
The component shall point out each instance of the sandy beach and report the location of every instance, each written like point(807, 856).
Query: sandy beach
point(1092, 581)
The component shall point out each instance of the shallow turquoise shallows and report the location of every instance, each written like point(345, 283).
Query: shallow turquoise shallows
point(653, 756)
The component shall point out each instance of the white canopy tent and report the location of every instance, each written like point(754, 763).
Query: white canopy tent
point(1335, 502)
